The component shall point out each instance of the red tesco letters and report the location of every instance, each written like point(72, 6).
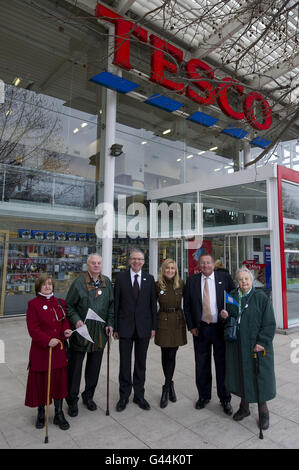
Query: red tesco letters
point(196, 70)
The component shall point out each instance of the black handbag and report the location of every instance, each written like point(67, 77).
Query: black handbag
point(232, 324)
point(231, 329)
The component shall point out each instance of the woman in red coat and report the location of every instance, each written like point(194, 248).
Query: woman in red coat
point(48, 327)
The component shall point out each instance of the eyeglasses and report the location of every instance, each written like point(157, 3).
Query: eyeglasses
point(63, 314)
point(137, 259)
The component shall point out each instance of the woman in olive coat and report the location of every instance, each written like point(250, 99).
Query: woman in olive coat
point(255, 334)
point(171, 330)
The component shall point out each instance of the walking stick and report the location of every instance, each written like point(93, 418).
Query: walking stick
point(48, 390)
point(256, 357)
point(108, 355)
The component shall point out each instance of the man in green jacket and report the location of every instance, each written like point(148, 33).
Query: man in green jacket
point(91, 290)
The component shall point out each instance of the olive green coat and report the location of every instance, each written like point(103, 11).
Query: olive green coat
point(171, 329)
point(79, 299)
point(257, 326)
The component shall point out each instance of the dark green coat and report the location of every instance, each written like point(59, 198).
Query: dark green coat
point(171, 329)
point(79, 299)
point(257, 327)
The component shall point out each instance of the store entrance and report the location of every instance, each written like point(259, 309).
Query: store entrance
point(172, 249)
point(232, 250)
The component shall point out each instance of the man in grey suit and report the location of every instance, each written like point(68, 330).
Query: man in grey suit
point(135, 324)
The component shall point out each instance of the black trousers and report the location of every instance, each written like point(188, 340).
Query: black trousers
point(210, 335)
point(92, 372)
point(125, 366)
point(168, 357)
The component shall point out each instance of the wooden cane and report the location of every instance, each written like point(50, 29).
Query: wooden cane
point(108, 355)
point(48, 390)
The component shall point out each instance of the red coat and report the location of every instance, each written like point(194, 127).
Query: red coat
point(43, 326)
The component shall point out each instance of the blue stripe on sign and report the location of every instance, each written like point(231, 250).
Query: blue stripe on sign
point(203, 119)
point(234, 132)
point(114, 82)
point(163, 102)
point(261, 142)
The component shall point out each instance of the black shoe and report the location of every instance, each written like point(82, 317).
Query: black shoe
point(89, 403)
point(59, 418)
point(73, 409)
point(164, 397)
point(201, 403)
point(264, 421)
point(172, 395)
point(142, 403)
point(227, 408)
point(121, 404)
point(241, 414)
point(40, 420)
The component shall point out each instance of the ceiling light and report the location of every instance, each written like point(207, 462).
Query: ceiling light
point(76, 130)
point(200, 153)
point(166, 132)
point(8, 112)
point(178, 159)
point(16, 81)
point(217, 169)
point(213, 148)
point(84, 124)
point(100, 112)
point(144, 142)
point(190, 156)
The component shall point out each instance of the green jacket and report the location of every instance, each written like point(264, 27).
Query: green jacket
point(79, 299)
point(257, 327)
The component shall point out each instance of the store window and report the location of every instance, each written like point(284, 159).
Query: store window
point(161, 149)
point(242, 205)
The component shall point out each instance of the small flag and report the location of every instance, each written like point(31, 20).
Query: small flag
point(92, 315)
point(230, 300)
point(83, 331)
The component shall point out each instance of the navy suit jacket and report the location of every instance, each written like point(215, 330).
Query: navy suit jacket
point(132, 315)
point(193, 297)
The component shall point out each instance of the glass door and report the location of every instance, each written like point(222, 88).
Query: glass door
point(171, 249)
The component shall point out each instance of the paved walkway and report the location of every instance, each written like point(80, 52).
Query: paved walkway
point(178, 426)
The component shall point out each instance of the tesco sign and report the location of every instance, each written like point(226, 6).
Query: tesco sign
point(197, 71)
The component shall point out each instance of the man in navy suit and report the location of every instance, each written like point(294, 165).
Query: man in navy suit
point(135, 324)
point(203, 301)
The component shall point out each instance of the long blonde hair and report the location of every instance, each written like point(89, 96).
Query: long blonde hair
point(161, 277)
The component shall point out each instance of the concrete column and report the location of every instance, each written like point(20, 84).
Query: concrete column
point(109, 124)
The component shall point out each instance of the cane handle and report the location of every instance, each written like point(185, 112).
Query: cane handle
point(255, 353)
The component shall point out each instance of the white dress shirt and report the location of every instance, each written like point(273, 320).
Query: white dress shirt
point(133, 277)
point(212, 292)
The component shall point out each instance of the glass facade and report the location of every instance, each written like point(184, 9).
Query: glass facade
point(51, 163)
point(290, 204)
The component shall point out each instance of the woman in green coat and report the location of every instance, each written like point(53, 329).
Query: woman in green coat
point(171, 329)
point(255, 335)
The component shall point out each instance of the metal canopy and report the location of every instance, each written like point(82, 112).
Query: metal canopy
point(222, 31)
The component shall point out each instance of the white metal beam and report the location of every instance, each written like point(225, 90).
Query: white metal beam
point(124, 6)
point(274, 73)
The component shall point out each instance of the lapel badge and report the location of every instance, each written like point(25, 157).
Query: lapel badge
point(45, 307)
point(161, 292)
point(99, 292)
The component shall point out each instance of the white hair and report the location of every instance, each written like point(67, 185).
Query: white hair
point(93, 254)
point(243, 269)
